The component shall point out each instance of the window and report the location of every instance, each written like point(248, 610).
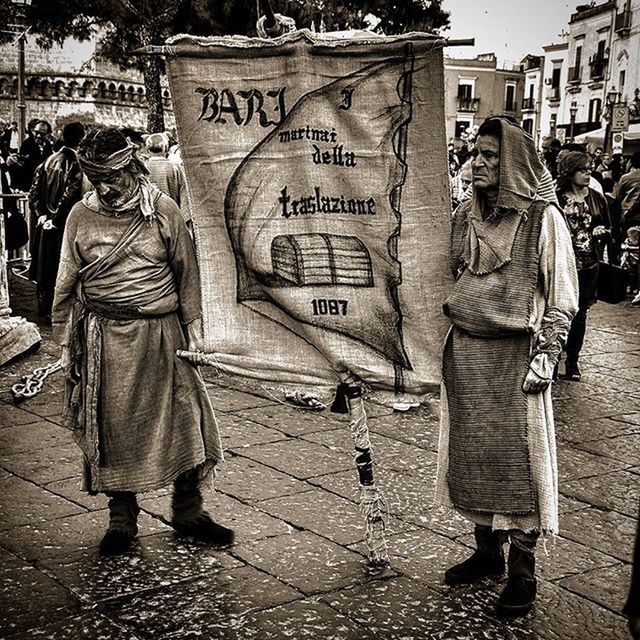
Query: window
point(509, 97)
point(555, 77)
point(602, 46)
point(595, 110)
point(531, 90)
point(623, 75)
point(465, 90)
point(527, 125)
point(578, 57)
point(553, 120)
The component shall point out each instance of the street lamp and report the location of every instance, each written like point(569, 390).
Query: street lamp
point(612, 99)
point(21, 6)
point(573, 110)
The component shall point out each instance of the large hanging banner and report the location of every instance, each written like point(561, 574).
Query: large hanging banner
point(317, 175)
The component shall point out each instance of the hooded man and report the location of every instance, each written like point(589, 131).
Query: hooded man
point(511, 308)
point(127, 297)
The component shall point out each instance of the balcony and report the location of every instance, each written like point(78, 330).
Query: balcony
point(554, 94)
point(575, 75)
point(528, 104)
point(468, 104)
point(623, 23)
point(598, 67)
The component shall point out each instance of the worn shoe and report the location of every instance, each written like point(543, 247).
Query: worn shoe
point(518, 596)
point(116, 542)
point(572, 372)
point(479, 565)
point(205, 529)
point(636, 300)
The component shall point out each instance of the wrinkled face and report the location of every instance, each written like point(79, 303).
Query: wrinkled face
point(486, 164)
point(582, 176)
point(117, 189)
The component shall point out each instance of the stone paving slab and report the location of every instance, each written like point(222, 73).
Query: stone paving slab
point(617, 491)
point(327, 515)
point(248, 522)
point(67, 536)
point(290, 420)
point(224, 399)
point(155, 561)
point(578, 432)
point(252, 481)
point(607, 531)
point(300, 458)
point(55, 463)
point(302, 620)
point(608, 586)
point(398, 609)
point(86, 626)
point(27, 438)
point(14, 416)
point(622, 448)
point(306, 561)
point(575, 463)
point(211, 607)
point(24, 502)
point(29, 597)
point(237, 432)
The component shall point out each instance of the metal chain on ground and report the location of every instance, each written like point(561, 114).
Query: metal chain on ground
point(32, 384)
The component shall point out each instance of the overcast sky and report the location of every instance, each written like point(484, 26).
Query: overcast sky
point(509, 28)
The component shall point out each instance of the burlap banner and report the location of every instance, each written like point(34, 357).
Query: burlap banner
point(317, 173)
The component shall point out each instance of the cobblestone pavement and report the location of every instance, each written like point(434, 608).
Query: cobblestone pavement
point(289, 489)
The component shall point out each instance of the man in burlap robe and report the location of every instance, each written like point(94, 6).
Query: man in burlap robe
point(127, 298)
point(511, 307)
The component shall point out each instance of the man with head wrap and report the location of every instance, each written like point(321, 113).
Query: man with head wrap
point(127, 297)
point(511, 308)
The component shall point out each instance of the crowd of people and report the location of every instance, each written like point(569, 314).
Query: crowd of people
point(47, 168)
point(117, 277)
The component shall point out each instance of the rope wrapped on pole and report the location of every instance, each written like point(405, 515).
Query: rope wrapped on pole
point(349, 399)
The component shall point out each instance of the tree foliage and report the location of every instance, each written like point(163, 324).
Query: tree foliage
point(124, 25)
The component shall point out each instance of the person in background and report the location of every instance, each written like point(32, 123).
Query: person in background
point(631, 260)
point(9, 140)
point(627, 194)
point(55, 189)
point(33, 151)
point(588, 219)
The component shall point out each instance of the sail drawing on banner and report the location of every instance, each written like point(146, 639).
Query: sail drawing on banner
point(317, 244)
point(316, 169)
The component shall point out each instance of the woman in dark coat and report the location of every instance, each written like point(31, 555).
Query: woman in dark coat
point(587, 215)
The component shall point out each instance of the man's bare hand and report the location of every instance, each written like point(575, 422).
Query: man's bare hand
point(48, 225)
point(194, 336)
point(533, 383)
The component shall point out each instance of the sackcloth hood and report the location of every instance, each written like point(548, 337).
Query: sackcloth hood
point(489, 242)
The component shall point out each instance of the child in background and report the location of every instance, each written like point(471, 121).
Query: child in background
point(631, 260)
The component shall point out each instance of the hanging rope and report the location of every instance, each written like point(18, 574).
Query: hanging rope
point(32, 384)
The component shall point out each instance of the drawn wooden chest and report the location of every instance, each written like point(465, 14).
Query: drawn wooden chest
point(321, 259)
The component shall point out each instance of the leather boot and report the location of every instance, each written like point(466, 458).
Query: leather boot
point(189, 518)
point(520, 591)
point(486, 561)
point(123, 527)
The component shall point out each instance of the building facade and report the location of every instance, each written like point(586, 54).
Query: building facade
point(533, 69)
point(74, 83)
point(476, 89)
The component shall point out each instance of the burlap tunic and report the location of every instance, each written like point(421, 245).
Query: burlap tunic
point(497, 457)
point(556, 288)
point(140, 414)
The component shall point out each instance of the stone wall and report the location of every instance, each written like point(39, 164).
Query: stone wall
point(72, 82)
